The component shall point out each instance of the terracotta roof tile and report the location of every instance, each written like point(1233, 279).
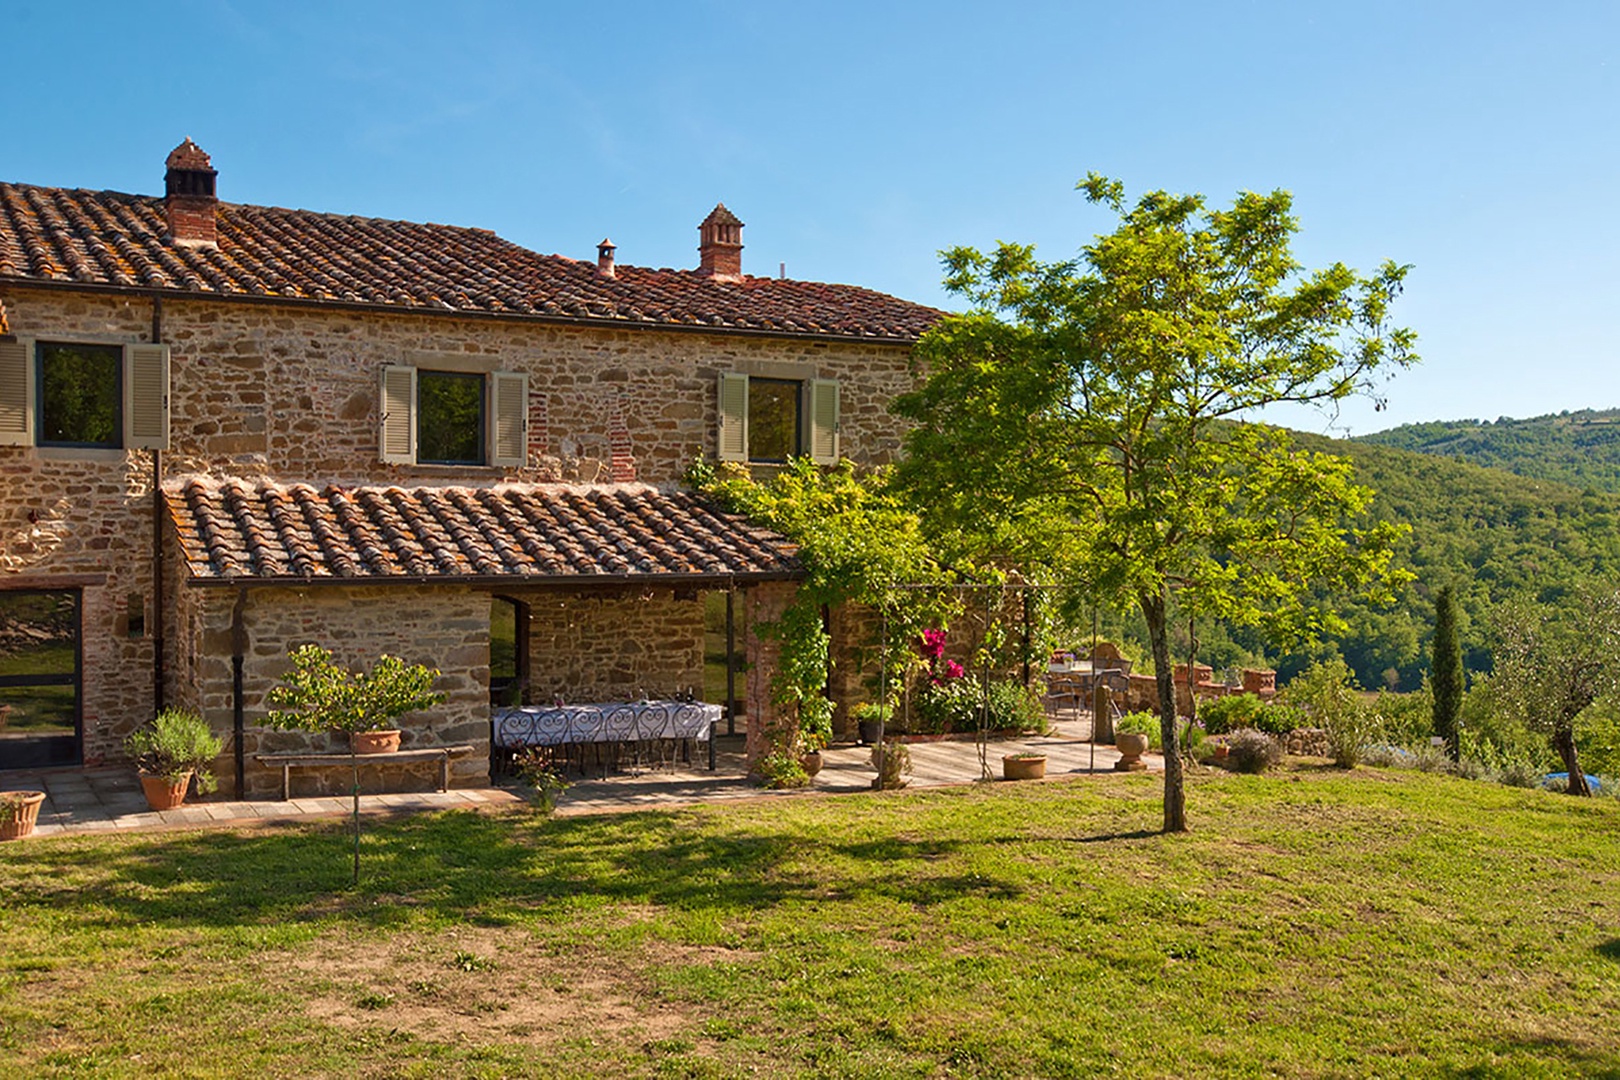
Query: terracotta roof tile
point(233, 530)
point(102, 238)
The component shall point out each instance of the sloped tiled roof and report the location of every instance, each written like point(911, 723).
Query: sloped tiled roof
point(106, 238)
point(239, 531)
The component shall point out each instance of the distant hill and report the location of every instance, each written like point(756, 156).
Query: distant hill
point(1581, 449)
point(1488, 532)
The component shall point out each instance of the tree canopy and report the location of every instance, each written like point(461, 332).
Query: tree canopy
point(1092, 419)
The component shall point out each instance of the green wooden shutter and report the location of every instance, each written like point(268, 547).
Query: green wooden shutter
point(509, 419)
point(17, 392)
point(146, 397)
point(397, 426)
point(733, 441)
point(823, 441)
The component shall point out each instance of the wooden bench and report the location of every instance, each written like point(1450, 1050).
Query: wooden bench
point(289, 762)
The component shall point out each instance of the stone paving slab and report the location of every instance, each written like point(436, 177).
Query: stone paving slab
point(100, 800)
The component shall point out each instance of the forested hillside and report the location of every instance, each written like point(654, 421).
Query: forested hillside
point(1578, 448)
point(1488, 532)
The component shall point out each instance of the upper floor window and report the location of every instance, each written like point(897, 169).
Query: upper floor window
point(449, 418)
point(768, 420)
point(453, 417)
point(78, 394)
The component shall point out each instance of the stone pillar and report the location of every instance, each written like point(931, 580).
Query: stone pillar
point(766, 603)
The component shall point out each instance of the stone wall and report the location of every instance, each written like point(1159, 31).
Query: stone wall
point(444, 627)
point(765, 604)
point(613, 646)
point(292, 394)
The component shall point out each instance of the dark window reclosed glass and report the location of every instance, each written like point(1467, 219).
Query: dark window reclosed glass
point(773, 419)
point(80, 402)
point(449, 418)
point(39, 678)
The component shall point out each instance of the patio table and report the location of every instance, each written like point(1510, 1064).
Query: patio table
point(616, 722)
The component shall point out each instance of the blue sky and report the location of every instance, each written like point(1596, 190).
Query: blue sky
point(1477, 141)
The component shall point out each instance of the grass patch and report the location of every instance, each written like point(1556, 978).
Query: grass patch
point(1317, 923)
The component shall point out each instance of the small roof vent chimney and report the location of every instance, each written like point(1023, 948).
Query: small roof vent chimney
point(604, 257)
point(720, 245)
point(189, 201)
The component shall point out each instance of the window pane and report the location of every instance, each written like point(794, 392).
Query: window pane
point(79, 397)
point(773, 419)
point(36, 633)
point(450, 418)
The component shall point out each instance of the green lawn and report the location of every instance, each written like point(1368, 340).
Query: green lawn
point(1315, 924)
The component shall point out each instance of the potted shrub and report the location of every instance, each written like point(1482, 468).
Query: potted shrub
point(892, 761)
point(19, 813)
point(870, 719)
point(1132, 737)
point(169, 751)
point(815, 731)
point(1024, 765)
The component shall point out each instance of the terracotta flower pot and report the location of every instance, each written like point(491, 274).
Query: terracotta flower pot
point(375, 742)
point(23, 813)
point(1023, 768)
point(161, 793)
point(810, 762)
point(1131, 747)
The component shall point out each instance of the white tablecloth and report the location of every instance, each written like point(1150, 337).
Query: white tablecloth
point(618, 721)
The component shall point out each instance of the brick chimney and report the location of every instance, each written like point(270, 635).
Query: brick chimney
point(189, 200)
point(604, 257)
point(720, 249)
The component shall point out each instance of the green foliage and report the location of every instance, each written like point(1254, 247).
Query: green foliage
point(1251, 751)
point(537, 768)
point(175, 743)
point(1555, 662)
point(858, 544)
point(1236, 711)
point(1139, 723)
point(1491, 534)
point(946, 706)
point(1446, 670)
point(1012, 706)
point(779, 767)
point(1580, 449)
point(1086, 419)
point(1328, 694)
point(319, 695)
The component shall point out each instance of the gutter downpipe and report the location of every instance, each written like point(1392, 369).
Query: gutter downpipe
point(159, 606)
point(238, 651)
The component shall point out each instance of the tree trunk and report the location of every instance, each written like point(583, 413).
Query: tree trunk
point(1175, 795)
point(1564, 742)
point(354, 763)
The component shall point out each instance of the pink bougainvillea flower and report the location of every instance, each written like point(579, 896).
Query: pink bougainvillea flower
point(931, 646)
point(953, 670)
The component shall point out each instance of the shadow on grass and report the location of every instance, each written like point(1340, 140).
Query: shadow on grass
point(1609, 950)
point(466, 867)
point(1103, 838)
point(1585, 1061)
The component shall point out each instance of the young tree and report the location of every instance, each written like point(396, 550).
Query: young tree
point(1091, 418)
point(1446, 670)
point(320, 695)
point(1552, 662)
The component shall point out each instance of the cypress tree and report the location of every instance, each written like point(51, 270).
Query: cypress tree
point(1446, 670)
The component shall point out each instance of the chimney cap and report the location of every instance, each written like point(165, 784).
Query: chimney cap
point(721, 216)
point(604, 258)
point(190, 157)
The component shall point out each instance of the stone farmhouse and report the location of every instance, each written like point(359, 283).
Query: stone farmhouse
point(226, 430)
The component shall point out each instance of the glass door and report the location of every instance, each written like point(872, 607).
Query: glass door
point(40, 664)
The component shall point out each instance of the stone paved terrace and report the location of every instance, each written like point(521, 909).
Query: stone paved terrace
point(97, 800)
